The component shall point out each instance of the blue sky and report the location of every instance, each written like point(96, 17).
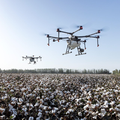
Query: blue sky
point(23, 23)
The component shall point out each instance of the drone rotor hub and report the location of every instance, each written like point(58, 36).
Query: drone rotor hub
point(58, 30)
point(81, 27)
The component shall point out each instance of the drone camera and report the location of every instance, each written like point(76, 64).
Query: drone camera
point(81, 27)
point(47, 35)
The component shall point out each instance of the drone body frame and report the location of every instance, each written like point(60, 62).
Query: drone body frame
point(32, 58)
point(74, 41)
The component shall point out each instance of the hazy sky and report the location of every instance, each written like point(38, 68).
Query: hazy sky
point(24, 22)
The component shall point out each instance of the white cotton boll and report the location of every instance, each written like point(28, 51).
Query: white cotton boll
point(45, 107)
point(61, 93)
point(19, 103)
point(13, 103)
point(13, 116)
point(101, 115)
point(105, 102)
point(31, 118)
point(97, 105)
point(41, 106)
point(112, 103)
point(37, 98)
point(24, 93)
point(83, 118)
point(95, 117)
point(11, 90)
point(41, 101)
point(93, 106)
point(2, 110)
point(117, 109)
point(111, 96)
point(103, 111)
point(118, 115)
point(86, 107)
point(116, 91)
point(20, 100)
point(70, 110)
point(13, 99)
point(40, 114)
point(49, 107)
point(111, 109)
point(24, 109)
point(53, 111)
point(118, 106)
point(31, 105)
point(105, 106)
point(14, 111)
point(27, 104)
point(36, 104)
point(55, 108)
point(38, 118)
point(23, 89)
point(29, 95)
point(40, 110)
point(47, 119)
point(26, 113)
point(46, 112)
point(10, 107)
point(2, 117)
point(80, 114)
point(46, 98)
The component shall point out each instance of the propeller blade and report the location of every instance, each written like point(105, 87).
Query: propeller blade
point(84, 25)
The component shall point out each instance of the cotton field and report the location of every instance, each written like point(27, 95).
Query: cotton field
point(59, 97)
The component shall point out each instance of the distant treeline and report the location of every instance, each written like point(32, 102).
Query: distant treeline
point(116, 72)
point(60, 70)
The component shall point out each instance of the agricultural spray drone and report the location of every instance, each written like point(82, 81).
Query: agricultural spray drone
point(32, 58)
point(74, 41)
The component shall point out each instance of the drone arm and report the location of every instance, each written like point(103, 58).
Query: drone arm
point(62, 32)
point(80, 28)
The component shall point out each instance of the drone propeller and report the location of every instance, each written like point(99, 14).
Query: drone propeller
point(79, 26)
point(84, 25)
point(100, 30)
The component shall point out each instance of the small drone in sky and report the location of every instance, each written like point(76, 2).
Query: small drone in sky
point(32, 58)
point(74, 41)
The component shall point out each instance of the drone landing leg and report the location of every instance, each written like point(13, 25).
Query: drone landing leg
point(67, 50)
point(79, 52)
